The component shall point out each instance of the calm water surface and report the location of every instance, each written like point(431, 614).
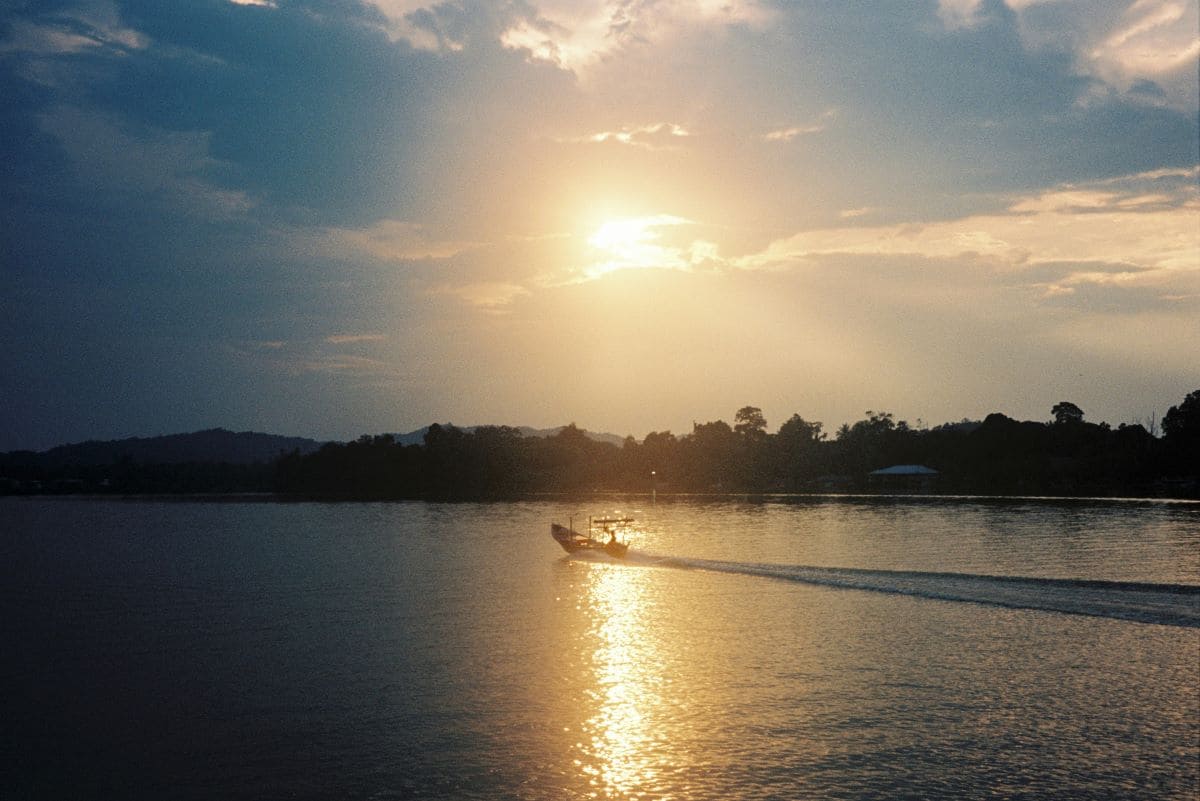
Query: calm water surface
point(394, 651)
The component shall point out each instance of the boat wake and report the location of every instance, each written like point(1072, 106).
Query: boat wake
point(1163, 604)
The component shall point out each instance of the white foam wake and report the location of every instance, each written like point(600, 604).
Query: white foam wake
point(1164, 604)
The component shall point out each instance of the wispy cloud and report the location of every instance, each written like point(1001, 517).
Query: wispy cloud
point(790, 133)
point(486, 295)
point(1149, 41)
point(655, 136)
point(142, 164)
point(1152, 175)
point(314, 363)
point(960, 13)
point(25, 37)
point(358, 365)
point(70, 33)
point(314, 356)
point(1076, 224)
point(849, 214)
point(349, 339)
point(395, 240)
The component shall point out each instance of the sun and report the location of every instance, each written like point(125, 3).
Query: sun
point(634, 243)
point(617, 236)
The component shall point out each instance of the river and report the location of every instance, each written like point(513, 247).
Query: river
point(776, 648)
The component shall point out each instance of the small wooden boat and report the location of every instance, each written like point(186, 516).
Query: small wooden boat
point(601, 536)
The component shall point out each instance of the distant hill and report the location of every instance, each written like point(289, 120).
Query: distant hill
point(214, 445)
point(418, 437)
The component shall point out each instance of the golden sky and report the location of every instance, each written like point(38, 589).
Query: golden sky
point(326, 218)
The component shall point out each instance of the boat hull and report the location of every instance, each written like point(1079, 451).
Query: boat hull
point(574, 542)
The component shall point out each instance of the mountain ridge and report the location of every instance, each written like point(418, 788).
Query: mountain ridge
point(417, 436)
point(217, 445)
point(208, 445)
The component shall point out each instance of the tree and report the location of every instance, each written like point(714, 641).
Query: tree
point(876, 425)
point(1066, 412)
point(749, 422)
point(711, 456)
point(859, 446)
point(797, 449)
point(1181, 434)
point(799, 431)
point(715, 436)
point(659, 448)
point(1182, 422)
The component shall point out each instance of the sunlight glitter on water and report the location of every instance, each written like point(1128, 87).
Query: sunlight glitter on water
point(625, 687)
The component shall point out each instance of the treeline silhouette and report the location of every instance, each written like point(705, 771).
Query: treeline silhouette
point(998, 455)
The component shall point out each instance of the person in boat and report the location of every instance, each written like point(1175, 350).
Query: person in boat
point(612, 537)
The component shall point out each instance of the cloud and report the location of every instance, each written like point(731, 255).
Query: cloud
point(394, 240)
point(353, 339)
point(1083, 224)
point(311, 112)
point(141, 165)
point(359, 365)
point(788, 134)
point(26, 37)
point(576, 36)
point(656, 136)
point(345, 126)
point(1124, 293)
point(1126, 45)
point(489, 296)
point(300, 358)
point(69, 31)
point(960, 13)
point(849, 214)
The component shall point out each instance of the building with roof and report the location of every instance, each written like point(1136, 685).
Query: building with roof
point(904, 478)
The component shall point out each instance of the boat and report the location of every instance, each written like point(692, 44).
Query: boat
point(601, 536)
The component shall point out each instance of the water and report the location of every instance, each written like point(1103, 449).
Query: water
point(395, 651)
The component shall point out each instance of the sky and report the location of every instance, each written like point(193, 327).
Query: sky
point(326, 218)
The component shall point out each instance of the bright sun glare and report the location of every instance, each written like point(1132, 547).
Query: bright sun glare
point(622, 235)
point(633, 242)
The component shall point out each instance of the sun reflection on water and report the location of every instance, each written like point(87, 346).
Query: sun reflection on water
point(626, 685)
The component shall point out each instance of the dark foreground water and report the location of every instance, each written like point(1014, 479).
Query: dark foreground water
point(819, 649)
